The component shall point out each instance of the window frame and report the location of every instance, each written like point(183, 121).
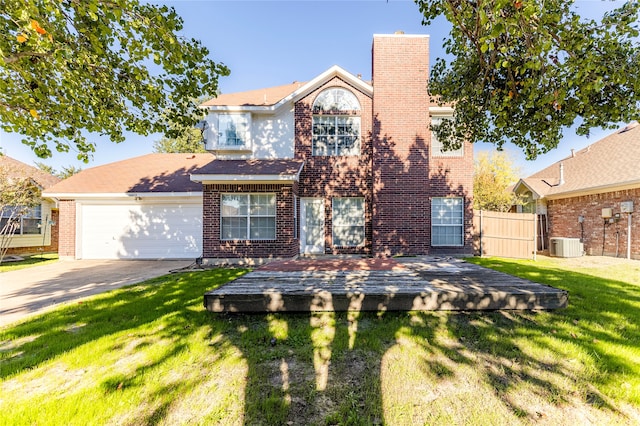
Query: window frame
point(32, 214)
point(451, 218)
point(328, 115)
point(436, 145)
point(334, 139)
point(221, 133)
point(361, 224)
point(249, 215)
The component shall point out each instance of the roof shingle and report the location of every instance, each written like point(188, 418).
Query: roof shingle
point(260, 97)
point(609, 162)
point(252, 167)
point(147, 173)
point(19, 169)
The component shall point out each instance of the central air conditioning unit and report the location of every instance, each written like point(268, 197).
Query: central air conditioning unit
point(566, 247)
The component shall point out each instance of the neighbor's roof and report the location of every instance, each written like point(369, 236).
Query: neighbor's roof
point(606, 165)
point(19, 169)
point(249, 170)
point(158, 173)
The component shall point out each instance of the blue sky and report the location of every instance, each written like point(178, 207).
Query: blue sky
point(269, 43)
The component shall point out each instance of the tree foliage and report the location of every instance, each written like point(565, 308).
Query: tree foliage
point(65, 172)
point(524, 70)
point(493, 173)
point(189, 141)
point(72, 70)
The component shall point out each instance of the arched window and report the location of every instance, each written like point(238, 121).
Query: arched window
point(336, 99)
point(336, 123)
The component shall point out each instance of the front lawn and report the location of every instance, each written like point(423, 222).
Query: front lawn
point(150, 354)
point(29, 261)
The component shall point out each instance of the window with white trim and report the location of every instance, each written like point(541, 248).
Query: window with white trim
point(27, 221)
point(447, 221)
point(233, 130)
point(248, 217)
point(348, 221)
point(437, 148)
point(336, 123)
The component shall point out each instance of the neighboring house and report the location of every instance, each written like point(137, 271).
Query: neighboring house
point(577, 195)
point(37, 230)
point(336, 165)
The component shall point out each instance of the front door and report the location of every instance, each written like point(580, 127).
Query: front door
point(311, 225)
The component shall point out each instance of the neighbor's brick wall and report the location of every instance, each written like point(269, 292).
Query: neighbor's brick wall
point(563, 222)
point(336, 176)
point(285, 245)
point(67, 228)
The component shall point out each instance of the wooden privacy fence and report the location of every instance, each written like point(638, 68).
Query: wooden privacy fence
point(504, 234)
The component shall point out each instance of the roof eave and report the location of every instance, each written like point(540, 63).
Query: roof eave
point(252, 179)
point(334, 71)
point(534, 193)
point(89, 195)
point(595, 190)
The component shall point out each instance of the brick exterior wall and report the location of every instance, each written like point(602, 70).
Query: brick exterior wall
point(403, 178)
point(453, 177)
point(67, 228)
point(51, 248)
point(563, 222)
point(394, 172)
point(336, 176)
point(285, 245)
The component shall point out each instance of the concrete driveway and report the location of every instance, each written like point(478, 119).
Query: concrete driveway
point(33, 290)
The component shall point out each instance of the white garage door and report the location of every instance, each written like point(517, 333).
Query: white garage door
point(140, 231)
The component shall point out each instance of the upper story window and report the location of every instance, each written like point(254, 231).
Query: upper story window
point(437, 148)
point(233, 130)
point(336, 100)
point(336, 123)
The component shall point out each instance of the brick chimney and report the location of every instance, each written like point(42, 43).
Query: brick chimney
point(401, 207)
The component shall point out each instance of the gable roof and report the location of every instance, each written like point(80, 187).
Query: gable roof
point(19, 169)
point(254, 100)
point(151, 173)
point(606, 165)
point(258, 97)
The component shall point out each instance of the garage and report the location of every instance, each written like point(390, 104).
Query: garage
point(146, 229)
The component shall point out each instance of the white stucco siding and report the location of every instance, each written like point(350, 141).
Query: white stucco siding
point(272, 136)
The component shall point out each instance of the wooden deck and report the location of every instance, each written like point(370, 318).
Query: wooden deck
point(423, 284)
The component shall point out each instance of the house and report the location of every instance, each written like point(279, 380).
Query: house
point(141, 208)
point(591, 195)
point(37, 230)
point(335, 165)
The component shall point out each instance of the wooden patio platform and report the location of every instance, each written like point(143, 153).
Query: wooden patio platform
point(421, 284)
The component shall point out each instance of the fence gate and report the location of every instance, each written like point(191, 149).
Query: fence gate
point(504, 234)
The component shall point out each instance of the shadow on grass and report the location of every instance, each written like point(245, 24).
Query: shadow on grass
point(329, 368)
point(356, 368)
point(168, 299)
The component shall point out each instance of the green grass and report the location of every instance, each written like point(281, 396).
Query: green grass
point(29, 261)
point(150, 354)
